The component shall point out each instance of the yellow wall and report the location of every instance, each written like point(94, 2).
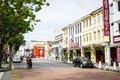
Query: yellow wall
point(65, 36)
point(93, 34)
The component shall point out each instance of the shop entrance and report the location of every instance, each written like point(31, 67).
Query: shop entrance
point(78, 52)
point(100, 56)
point(87, 55)
point(113, 54)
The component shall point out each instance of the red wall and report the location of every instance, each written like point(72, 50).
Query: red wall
point(39, 52)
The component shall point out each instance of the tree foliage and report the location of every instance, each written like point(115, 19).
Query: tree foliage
point(17, 17)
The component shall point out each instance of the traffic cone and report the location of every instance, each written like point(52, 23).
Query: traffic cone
point(114, 66)
point(100, 65)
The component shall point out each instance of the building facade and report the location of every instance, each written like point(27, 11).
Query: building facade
point(88, 37)
point(94, 43)
point(115, 30)
point(57, 47)
point(74, 39)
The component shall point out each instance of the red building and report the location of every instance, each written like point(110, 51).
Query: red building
point(39, 50)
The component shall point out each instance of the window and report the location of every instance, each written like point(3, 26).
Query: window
point(87, 37)
point(83, 24)
point(119, 27)
point(80, 28)
point(98, 35)
point(94, 35)
point(69, 31)
point(98, 18)
point(119, 6)
point(83, 38)
point(94, 20)
point(78, 41)
point(86, 23)
point(90, 21)
point(75, 29)
point(90, 36)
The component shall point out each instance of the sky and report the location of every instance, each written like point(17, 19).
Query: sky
point(59, 14)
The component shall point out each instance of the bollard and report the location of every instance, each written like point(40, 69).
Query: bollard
point(114, 66)
point(100, 65)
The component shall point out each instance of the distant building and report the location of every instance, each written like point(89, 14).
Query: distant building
point(57, 47)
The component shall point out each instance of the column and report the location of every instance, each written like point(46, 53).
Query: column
point(82, 52)
point(68, 54)
point(93, 54)
point(107, 54)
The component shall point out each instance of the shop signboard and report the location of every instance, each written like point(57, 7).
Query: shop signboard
point(106, 17)
point(118, 54)
point(116, 39)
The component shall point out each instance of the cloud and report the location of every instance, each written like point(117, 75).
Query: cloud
point(59, 14)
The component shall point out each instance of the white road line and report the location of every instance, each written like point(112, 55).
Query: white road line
point(1, 74)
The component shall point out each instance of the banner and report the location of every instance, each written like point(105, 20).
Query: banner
point(118, 54)
point(106, 18)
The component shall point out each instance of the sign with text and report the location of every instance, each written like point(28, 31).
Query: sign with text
point(118, 54)
point(116, 39)
point(106, 17)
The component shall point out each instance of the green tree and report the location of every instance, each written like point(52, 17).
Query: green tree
point(17, 17)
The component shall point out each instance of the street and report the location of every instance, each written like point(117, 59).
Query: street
point(54, 70)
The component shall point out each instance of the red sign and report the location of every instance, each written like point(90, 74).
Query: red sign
point(118, 54)
point(106, 18)
point(116, 39)
point(74, 45)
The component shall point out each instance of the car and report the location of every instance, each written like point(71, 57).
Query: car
point(82, 62)
point(16, 58)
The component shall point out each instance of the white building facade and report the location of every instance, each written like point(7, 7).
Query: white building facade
point(115, 30)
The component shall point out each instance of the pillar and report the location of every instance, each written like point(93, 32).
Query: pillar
point(68, 54)
point(107, 54)
point(82, 52)
point(93, 54)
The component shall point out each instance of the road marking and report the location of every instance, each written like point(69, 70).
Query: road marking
point(1, 74)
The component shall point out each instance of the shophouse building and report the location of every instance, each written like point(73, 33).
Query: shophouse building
point(94, 43)
point(115, 30)
point(74, 39)
point(65, 42)
point(57, 47)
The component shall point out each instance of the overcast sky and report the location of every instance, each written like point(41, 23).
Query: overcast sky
point(59, 14)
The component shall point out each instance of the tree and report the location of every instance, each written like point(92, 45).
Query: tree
point(17, 17)
point(16, 41)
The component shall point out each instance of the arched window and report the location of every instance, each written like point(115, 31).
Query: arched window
point(90, 36)
point(94, 35)
point(99, 34)
point(86, 37)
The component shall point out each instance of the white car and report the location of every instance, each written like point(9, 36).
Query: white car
point(16, 58)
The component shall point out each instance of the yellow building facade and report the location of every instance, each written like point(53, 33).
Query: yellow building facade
point(94, 43)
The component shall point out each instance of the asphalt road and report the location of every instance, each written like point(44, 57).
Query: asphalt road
point(54, 70)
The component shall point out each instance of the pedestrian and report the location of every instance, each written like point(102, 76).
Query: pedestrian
point(111, 62)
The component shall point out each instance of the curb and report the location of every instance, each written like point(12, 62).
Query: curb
point(108, 69)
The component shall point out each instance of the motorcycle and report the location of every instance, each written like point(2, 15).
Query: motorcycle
point(29, 62)
point(29, 65)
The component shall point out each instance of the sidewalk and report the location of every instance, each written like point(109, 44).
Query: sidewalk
point(107, 68)
point(4, 68)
